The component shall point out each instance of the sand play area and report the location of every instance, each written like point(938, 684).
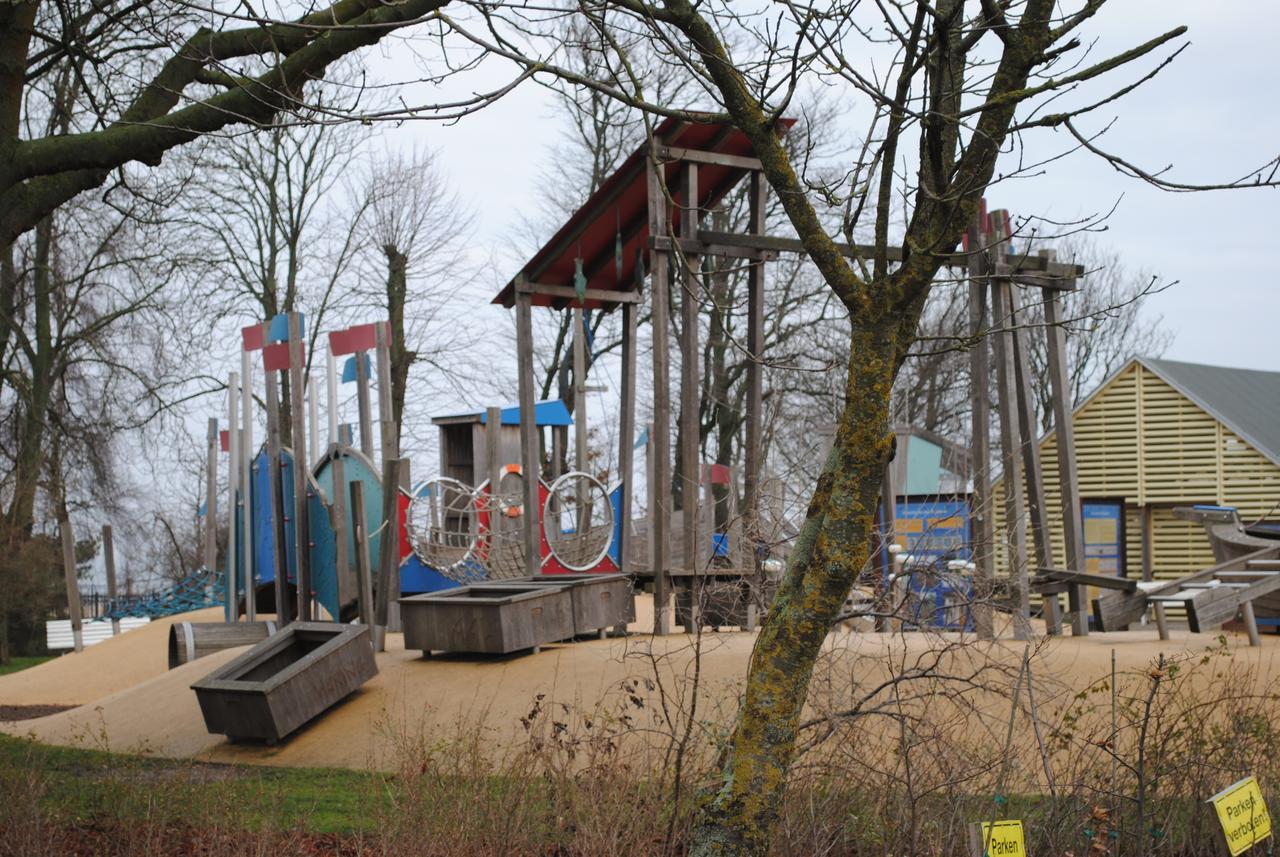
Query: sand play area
point(129, 701)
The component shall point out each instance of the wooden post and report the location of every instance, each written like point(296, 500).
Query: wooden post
point(348, 582)
point(651, 492)
point(388, 561)
point(690, 379)
point(247, 456)
point(979, 451)
point(73, 584)
point(1032, 473)
point(233, 498)
point(493, 449)
point(362, 403)
point(279, 549)
point(313, 417)
point(211, 497)
point(660, 500)
point(360, 534)
point(1064, 436)
point(580, 416)
point(530, 453)
point(627, 431)
point(579, 392)
point(1015, 521)
point(1148, 545)
point(755, 394)
point(109, 561)
point(331, 389)
point(1250, 623)
point(301, 511)
point(390, 432)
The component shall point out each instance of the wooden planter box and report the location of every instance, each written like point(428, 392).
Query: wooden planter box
point(494, 619)
point(600, 601)
point(286, 680)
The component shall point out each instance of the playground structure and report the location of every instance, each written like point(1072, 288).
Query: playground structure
point(509, 548)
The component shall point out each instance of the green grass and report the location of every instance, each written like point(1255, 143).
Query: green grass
point(19, 664)
point(77, 785)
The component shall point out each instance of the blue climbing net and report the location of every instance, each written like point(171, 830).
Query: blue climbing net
point(197, 590)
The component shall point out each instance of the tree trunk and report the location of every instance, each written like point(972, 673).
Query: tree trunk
point(832, 548)
point(401, 357)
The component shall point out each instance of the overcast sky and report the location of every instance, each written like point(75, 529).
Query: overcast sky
point(1212, 115)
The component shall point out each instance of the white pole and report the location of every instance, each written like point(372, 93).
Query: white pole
point(331, 370)
point(247, 454)
point(233, 486)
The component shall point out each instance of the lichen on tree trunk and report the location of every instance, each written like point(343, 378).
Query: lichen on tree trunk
point(832, 547)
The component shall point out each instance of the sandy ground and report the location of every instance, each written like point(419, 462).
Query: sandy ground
point(113, 665)
point(131, 703)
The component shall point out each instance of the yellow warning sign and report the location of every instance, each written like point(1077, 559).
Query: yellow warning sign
point(1242, 812)
point(1001, 839)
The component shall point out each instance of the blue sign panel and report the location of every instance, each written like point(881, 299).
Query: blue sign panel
point(933, 529)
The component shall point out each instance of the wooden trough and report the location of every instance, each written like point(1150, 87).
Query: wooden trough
point(494, 619)
point(600, 601)
point(191, 640)
point(286, 680)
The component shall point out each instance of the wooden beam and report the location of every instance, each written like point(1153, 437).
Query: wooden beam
point(211, 495)
point(1015, 521)
point(301, 508)
point(758, 201)
point(1051, 274)
point(348, 578)
point(697, 246)
point(1028, 430)
point(279, 550)
point(690, 380)
point(109, 561)
point(700, 156)
point(627, 431)
point(69, 573)
point(660, 498)
point(248, 452)
point(233, 492)
point(390, 432)
point(530, 455)
point(607, 296)
point(979, 448)
point(360, 536)
point(1065, 439)
point(362, 403)
point(389, 556)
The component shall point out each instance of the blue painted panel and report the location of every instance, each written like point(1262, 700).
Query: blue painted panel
point(931, 594)
point(356, 468)
point(934, 529)
point(1103, 537)
point(264, 561)
point(324, 559)
point(615, 497)
point(350, 369)
point(417, 577)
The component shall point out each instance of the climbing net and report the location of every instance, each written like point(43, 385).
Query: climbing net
point(442, 524)
point(200, 589)
point(577, 521)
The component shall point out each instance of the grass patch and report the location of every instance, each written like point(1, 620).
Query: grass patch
point(77, 786)
point(20, 664)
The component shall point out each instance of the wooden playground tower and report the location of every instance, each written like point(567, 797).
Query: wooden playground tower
point(646, 220)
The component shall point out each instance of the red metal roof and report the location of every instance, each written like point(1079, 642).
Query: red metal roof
point(620, 205)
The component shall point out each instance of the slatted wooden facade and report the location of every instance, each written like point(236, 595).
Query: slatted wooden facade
point(1142, 441)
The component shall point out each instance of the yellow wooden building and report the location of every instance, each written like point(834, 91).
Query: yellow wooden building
point(1159, 434)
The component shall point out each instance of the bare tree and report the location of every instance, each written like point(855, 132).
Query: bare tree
point(418, 226)
point(951, 90)
point(159, 76)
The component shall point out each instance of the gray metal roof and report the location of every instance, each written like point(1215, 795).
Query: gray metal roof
point(1247, 401)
